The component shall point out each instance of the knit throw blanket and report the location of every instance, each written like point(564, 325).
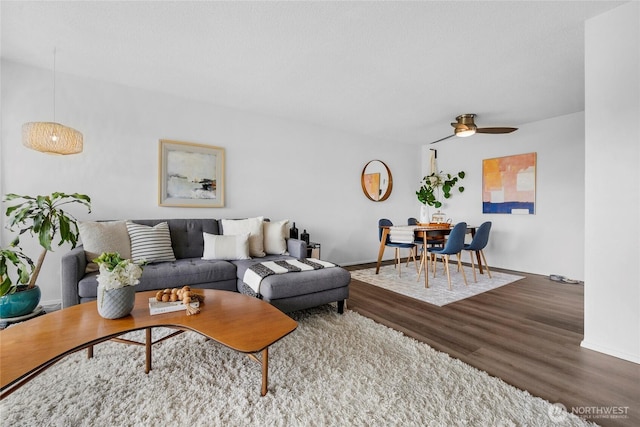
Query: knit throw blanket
point(402, 234)
point(253, 275)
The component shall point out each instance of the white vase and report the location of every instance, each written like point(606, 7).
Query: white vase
point(424, 214)
point(116, 303)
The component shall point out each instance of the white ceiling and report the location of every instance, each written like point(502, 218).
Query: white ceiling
point(395, 70)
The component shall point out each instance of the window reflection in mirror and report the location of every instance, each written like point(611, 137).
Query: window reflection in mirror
point(376, 181)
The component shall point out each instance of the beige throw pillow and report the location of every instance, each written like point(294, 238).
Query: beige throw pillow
point(275, 233)
point(226, 247)
point(99, 237)
point(253, 226)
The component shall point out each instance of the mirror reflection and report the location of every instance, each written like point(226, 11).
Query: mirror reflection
point(376, 181)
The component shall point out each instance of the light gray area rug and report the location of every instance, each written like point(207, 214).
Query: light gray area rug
point(334, 370)
point(438, 292)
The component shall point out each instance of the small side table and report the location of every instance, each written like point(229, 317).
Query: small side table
point(313, 250)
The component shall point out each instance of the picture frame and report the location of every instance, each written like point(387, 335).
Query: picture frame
point(190, 175)
point(509, 185)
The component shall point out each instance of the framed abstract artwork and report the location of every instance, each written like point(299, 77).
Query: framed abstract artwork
point(190, 175)
point(509, 184)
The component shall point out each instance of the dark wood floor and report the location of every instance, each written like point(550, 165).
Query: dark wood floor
point(527, 333)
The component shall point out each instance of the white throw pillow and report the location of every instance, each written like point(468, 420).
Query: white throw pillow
point(99, 237)
point(151, 244)
point(253, 226)
point(229, 247)
point(275, 233)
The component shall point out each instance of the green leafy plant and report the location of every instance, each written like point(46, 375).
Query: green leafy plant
point(433, 184)
point(22, 266)
point(43, 216)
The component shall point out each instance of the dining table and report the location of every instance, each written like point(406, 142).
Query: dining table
point(426, 232)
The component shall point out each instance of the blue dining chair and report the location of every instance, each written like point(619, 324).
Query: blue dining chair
point(477, 245)
point(396, 246)
point(453, 246)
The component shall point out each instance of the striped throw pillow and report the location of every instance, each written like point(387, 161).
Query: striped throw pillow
point(151, 244)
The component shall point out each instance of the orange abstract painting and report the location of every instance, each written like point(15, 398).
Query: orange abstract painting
point(509, 184)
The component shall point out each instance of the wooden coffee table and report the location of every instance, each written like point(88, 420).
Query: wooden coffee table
point(238, 321)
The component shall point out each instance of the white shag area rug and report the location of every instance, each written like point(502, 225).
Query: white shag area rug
point(334, 370)
point(438, 292)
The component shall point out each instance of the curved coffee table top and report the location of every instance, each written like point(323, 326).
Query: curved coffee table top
point(241, 322)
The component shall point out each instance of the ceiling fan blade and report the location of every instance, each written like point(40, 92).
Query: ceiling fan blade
point(496, 130)
point(442, 139)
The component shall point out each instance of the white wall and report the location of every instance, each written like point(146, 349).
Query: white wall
point(551, 240)
point(612, 291)
point(274, 167)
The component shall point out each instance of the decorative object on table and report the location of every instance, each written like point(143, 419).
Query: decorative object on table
point(52, 137)
point(159, 307)
point(376, 181)
point(509, 184)
point(44, 216)
point(305, 237)
point(440, 218)
point(293, 232)
point(191, 175)
point(116, 285)
point(184, 296)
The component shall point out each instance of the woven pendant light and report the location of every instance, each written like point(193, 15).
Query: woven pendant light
point(51, 137)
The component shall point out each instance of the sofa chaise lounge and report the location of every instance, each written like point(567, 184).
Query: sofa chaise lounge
point(288, 292)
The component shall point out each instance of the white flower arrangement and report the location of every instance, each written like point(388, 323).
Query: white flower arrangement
point(116, 272)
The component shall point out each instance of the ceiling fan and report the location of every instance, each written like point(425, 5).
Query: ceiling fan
point(465, 126)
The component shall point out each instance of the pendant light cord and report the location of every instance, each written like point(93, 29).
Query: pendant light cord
point(54, 84)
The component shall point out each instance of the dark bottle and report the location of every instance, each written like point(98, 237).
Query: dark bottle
point(305, 236)
point(293, 232)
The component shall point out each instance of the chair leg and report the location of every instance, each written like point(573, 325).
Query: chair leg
point(398, 263)
point(473, 267)
point(461, 268)
point(446, 267)
point(433, 261)
point(485, 264)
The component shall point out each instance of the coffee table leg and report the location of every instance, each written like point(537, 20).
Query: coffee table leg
point(265, 371)
point(147, 346)
point(90, 352)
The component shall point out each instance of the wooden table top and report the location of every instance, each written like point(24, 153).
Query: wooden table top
point(243, 323)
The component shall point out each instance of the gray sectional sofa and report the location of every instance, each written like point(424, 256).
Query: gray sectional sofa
point(288, 292)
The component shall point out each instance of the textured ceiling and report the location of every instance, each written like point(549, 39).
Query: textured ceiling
point(395, 70)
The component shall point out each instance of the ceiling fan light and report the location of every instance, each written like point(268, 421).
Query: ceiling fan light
point(51, 138)
point(465, 132)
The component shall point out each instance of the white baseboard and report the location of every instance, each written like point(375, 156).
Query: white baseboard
point(635, 358)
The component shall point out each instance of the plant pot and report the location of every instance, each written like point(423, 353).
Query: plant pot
point(23, 301)
point(116, 303)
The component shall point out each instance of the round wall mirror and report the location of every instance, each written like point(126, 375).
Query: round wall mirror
point(376, 181)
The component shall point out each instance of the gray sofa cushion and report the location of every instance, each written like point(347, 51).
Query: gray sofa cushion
point(192, 271)
point(305, 282)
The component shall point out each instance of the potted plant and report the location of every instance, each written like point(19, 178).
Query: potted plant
point(13, 262)
point(116, 284)
point(45, 217)
point(434, 184)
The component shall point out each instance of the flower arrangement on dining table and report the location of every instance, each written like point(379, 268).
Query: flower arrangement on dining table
point(116, 272)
